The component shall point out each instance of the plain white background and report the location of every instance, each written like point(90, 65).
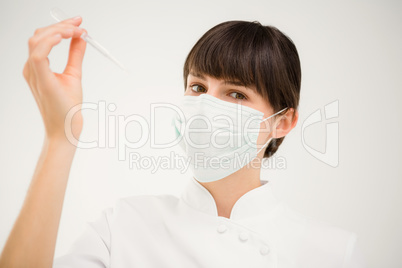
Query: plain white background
point(350, 53)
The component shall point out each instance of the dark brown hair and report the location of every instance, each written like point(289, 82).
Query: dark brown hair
point(255, 55)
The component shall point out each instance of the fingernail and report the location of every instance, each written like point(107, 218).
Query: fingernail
point(77, 18)
point(84, 34)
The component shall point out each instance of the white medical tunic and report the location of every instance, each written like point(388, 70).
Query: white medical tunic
point(165, 231)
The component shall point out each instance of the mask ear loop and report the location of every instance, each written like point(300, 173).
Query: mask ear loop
point(266, 144)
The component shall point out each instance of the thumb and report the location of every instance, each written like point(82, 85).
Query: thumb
point(76, 56)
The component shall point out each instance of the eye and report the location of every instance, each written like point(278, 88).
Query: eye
point(198, 88)
point(237, 96)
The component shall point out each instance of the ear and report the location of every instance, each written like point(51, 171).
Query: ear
point(285, 123)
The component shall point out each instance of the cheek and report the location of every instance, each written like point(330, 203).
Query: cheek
point(258, 103)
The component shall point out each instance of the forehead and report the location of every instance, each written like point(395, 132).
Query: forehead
point(231, 82)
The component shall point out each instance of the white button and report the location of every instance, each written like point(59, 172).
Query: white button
point(243, 236)
point(264, 250)
point(222, 228)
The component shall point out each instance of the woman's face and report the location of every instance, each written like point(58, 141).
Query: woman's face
point(233, 91)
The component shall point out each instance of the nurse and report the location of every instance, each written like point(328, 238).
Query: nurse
point(239, 76)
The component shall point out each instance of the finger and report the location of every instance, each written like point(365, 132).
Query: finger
point(76, 56)
point(31, 82)
point(40, 53)
point(25, 71)
point(48, 31)
point(44, 31)
point(29, 76)
point(38, 56)
point(76, 21)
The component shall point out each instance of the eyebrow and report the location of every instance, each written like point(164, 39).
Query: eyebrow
point(226, 82)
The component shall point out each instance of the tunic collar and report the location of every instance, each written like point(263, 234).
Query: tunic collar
point(257, 201)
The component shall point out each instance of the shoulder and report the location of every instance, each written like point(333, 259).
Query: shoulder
point(131, 210)
point(143, 206)
point(315, 236)
point(311, 224)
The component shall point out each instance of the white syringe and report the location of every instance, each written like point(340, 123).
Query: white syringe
point(59, 15)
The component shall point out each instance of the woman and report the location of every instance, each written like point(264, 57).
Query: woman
point(227, 215)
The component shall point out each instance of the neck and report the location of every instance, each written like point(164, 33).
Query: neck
point(228, 190)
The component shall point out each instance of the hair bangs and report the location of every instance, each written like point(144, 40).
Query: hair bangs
point(231, 55)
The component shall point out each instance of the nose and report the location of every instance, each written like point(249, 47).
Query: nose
point(214, 92)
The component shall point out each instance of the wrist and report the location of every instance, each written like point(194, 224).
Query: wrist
point(60, 142)
point(70, 136)
point(69, 132)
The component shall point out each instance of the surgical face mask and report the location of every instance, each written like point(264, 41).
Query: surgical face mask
point(217, 136)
